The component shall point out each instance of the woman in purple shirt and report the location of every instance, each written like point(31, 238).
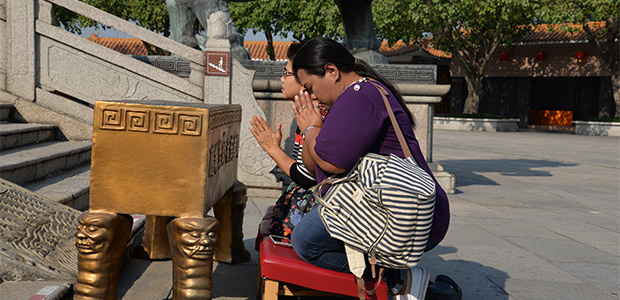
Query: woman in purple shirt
point(357, 123)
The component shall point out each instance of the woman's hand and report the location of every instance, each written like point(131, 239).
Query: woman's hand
point(267, 138)
point(306, 114)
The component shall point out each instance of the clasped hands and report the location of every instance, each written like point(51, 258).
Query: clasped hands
point(306, 114)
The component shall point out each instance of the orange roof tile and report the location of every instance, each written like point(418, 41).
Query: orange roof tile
point(436, 52)
point(552, 33)
point(258, 49)
point(400, 48)
point(542, 34)
point(130, 46)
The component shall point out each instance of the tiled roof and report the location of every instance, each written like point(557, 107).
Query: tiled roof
point(553, 33)
point(543, 34)
point(436, 52)
point(258, 49)
point(130, 46)
point(399, 48)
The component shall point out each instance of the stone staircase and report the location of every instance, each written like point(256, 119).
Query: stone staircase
point(39, 158)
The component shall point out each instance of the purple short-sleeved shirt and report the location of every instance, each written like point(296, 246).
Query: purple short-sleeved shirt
point(358, 123)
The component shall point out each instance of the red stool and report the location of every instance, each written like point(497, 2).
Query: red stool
point(284, 273)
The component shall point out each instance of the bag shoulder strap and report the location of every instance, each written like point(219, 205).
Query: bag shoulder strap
point(399, 132)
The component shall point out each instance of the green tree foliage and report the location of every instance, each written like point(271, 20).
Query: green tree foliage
point(150, 14)
point(305, 19)
point(470, 30)
point(604, 39)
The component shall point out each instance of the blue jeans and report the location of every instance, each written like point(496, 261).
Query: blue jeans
point(313, 244)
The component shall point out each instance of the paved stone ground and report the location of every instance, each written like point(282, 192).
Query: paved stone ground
point(536, 215)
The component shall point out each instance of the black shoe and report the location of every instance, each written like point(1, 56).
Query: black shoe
point(444, 288)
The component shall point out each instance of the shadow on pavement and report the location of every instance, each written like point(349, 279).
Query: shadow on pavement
point(467, 171)
point(477, 281)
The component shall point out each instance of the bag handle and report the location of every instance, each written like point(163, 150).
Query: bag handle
point(399, 132)
point(361, 286)
point(317, 191)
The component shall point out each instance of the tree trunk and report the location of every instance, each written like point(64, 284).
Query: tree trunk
point(608, 52)
point(270, 51)
point(474, 94)
point(615, 85)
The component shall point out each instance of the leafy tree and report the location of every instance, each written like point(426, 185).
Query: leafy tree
point(150, 14)
point(305, 19)
point(605, 41)
point(471, 30)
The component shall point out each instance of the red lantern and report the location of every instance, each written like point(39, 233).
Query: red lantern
point(540, 56)
point(579, 55)
point(505, 56)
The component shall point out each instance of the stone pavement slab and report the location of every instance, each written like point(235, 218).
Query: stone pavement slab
point(542, 208)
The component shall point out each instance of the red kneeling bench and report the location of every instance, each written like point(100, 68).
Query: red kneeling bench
point(282, 272)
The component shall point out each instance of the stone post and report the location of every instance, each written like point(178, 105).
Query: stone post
point(3, 41)
point(421, 107)
point(20, 47)
point(217, 71)
point(217, 59)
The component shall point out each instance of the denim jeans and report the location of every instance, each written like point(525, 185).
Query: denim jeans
point(313, 244)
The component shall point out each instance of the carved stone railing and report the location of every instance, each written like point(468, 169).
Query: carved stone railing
point(53, 67)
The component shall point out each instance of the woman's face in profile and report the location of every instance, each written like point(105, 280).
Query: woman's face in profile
point(320, 88)
point(290, 86)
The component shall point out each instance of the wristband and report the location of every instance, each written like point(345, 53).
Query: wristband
point(303, 136)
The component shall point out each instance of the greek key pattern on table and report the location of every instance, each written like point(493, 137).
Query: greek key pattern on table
point(155, 121)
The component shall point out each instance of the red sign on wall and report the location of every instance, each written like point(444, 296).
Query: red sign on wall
point(217, 63)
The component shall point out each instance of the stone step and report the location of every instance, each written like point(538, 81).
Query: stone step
point(30, 163)
point(38, 245)
point(13, 135)
point(5, 111)
point(70, 188)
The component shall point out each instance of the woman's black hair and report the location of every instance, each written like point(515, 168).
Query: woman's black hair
point(292, 50)
point(320, 51)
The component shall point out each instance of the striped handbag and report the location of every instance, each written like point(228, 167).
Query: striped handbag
point(383, 206)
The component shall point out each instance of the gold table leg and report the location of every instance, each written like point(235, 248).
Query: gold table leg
point(101, 239)
point(192, 241)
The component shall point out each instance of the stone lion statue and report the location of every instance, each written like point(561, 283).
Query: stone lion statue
point(360, 37)
point(183, 14)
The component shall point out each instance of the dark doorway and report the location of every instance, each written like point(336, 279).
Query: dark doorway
point(552, 101)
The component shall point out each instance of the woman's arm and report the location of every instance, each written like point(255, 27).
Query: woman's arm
point(309, 121)
point(269, 140)
point(309, 142)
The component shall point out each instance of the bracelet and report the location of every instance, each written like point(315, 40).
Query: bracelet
point(303, 136)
